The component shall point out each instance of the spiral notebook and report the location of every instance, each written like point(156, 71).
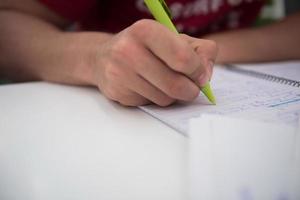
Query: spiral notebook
point(242, 92)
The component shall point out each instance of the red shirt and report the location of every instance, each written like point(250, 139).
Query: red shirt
point(194, 17)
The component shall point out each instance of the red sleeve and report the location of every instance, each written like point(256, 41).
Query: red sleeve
point(73, 10)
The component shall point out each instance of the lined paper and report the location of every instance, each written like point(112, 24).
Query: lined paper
point(238, 96)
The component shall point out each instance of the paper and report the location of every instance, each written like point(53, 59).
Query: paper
point(233, 159)
point(289, 70)
point(237, 95)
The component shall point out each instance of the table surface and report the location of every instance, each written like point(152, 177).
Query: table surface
point(64, 142)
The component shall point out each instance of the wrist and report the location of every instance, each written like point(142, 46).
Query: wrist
point(83, 51)
point(68, 58)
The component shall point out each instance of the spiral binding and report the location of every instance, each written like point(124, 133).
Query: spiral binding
point(264, 76)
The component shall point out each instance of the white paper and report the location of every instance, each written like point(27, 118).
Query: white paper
point(233, 159)
point(289, 70)
point(237, 95)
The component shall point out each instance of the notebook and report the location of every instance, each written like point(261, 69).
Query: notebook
point(235, 159)
point(288, 70)
point(241, 93)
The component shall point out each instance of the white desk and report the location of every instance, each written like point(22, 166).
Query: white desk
point(61, 142)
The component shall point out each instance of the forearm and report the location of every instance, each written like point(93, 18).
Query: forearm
point(33, 49)
point(279, 41)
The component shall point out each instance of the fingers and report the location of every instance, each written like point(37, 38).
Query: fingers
point(207, 50)
point(121, 82)
point(190, 56)
point(131, 98)
point(125, 96)
point(173, 84)
point(148, 91)
point(166, 45)
point(137, 92)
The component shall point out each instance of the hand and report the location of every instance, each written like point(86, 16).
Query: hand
point(148, 63)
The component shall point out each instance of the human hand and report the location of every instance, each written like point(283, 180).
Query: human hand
point(148, 63)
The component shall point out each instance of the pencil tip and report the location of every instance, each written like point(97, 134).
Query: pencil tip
point(208, 93)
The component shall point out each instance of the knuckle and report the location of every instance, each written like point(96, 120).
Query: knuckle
point(184, 36)
point(142, 28)
point(143, 23)
point(121, 48)
point(213, 46)
point(207, 48)
point(176, 88)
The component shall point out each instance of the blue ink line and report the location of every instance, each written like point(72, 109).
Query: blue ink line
point(287, 102)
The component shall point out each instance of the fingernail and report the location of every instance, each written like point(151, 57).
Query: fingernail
point(211, 66)
point(205, 76)
point(203, 79)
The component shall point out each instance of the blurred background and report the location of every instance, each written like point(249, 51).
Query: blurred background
point(274, 10)
point(277, 9)
point(292, 5)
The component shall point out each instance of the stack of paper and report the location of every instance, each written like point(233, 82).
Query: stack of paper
point(233, 159)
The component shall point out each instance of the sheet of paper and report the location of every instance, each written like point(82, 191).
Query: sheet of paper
point(289, 70)
point(237, 95)
point(233, 159)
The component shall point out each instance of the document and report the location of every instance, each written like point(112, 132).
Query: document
point(234, 159)
point(239, 96)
